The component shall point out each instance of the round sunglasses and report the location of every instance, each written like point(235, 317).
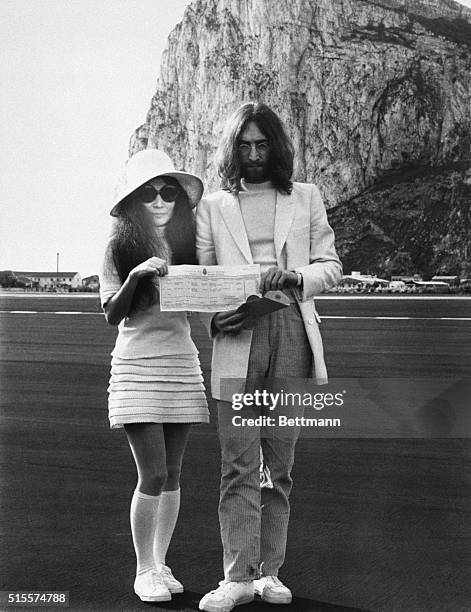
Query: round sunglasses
point(148, 193)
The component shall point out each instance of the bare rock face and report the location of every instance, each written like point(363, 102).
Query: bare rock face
point(370, 90)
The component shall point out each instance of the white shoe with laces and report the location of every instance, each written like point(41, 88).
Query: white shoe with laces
point(227, 596)
point(172, 584)
point(272, 590)
point(149, 586)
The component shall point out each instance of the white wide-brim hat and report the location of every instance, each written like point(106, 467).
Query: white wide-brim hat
point(149, 164)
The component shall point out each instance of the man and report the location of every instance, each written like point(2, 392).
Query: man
point(261, 217)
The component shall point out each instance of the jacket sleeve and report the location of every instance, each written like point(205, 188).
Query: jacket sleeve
point(205, 250)
point(325, 269)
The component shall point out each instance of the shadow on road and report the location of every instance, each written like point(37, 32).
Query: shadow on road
point(188, 601)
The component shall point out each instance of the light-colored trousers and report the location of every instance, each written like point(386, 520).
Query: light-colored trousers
point(254, 521)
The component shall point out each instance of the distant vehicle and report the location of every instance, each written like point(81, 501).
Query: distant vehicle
point(433, 286)
point(397, 286)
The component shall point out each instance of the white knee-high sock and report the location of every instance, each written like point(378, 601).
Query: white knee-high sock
point(166, 520)
point(144, 510)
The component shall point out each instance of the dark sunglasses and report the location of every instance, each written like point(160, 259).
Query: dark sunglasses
point(148, 193)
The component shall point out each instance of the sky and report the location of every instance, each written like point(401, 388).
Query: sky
point(78, 77)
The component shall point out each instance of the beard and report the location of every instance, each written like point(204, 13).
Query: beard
point(256, 172)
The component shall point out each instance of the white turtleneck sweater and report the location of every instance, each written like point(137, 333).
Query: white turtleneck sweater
point(257, 205)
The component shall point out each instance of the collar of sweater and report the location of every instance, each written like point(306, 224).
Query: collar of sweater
point(245, 186)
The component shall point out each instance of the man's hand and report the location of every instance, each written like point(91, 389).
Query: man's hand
point(276, 278)
point(229, 322)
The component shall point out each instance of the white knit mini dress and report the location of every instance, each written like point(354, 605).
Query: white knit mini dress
point(155, 370)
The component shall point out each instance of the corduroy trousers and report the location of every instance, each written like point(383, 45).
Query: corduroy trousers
point(254, 521)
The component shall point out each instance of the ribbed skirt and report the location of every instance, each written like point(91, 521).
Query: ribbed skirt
point(166, 389)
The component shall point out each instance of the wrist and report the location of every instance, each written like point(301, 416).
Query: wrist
point(214, 326)
point(132, 278)
point(299, 279)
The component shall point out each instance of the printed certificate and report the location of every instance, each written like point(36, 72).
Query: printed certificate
point(208, 288)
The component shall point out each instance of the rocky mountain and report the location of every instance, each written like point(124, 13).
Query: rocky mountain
point(376, 95)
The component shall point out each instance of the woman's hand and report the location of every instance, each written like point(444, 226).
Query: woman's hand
point(153, 265)
point(118, 306)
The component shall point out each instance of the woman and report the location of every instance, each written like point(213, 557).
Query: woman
point(156, 387)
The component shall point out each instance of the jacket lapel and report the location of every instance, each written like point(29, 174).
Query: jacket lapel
point(284, 215)
point(230, 211)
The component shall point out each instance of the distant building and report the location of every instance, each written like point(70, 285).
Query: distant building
point(91, 282)
point(356, 278)
point(50, 280)
point(407, 278)
point(452, 281)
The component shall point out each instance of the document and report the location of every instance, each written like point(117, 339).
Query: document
point(208, 288)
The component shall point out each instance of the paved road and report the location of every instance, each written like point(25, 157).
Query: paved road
point(377, 524)
point(343, 305)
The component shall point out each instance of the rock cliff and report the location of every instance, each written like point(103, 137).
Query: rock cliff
point(376, 95)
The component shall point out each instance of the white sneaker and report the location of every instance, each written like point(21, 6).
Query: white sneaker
point(227, 596)
point(272, 590)
point(149, 586)
point(172, 584)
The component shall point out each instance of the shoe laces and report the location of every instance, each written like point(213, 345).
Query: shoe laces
point(164, 569)
point(156, 578)
point(275, 581)
point(229, 585)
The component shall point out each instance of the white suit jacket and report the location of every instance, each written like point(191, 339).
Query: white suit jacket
point(304, 242)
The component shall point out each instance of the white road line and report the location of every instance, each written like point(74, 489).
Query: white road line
point(47, 312)
point(59, 312)
point(401, 318)
point(392, 297)
point(72, 312)
point(100, 314)
point(326, 296)
point(21, 311)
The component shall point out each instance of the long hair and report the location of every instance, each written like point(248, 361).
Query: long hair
point(134, 240)
point(281, 157)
